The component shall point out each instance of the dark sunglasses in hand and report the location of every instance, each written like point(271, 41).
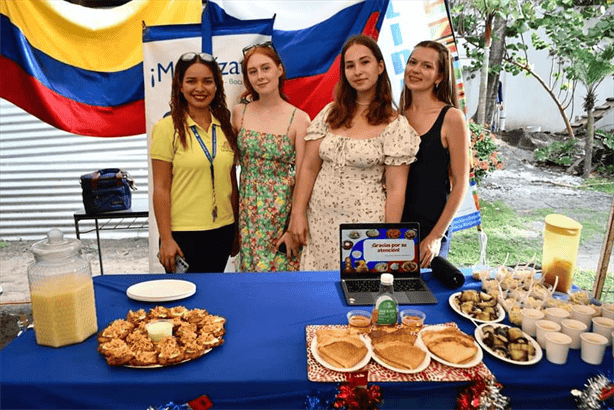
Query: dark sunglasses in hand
point(192, 55)
point(268, 44)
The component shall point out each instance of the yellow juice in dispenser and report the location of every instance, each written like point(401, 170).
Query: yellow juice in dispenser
point(561, 240)
point(62, 292)
point(63, 310)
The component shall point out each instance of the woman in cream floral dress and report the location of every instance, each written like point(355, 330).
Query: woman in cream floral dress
point(270, 142)
point(355, 145)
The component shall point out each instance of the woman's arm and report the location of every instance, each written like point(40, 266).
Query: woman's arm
point(237, 116)
point(312, 163)
point(456, 133)
point(300, 126)
point(396, 184)
point(162, 178)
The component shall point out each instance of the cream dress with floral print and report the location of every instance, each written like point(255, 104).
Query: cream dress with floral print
point(350, 185)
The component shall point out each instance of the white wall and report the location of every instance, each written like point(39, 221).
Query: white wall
point(528, 104)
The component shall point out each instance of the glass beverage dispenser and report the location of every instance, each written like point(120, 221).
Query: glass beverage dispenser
point(62, 292)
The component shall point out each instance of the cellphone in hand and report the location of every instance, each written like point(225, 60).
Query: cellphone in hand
point(181, 266)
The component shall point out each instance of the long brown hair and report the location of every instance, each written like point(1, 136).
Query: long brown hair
point(250, 94)
point(179, 105)
point(344, 106)
point(446, 90)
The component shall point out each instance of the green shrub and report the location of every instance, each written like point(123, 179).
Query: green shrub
point(559, 153)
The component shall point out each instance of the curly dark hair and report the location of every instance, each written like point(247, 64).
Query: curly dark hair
point(344, 105)
point(446, 90)
point(179, 105)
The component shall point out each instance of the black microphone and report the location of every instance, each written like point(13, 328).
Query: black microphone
point(447, 273)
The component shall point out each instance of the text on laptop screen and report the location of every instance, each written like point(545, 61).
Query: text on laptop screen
point(378, 250)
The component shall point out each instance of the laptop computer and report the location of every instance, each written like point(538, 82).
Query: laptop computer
point(369, 249)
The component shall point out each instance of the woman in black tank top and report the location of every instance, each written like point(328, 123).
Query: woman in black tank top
point(438, 180)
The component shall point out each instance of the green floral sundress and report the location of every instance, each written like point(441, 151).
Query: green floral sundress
point(265, 198)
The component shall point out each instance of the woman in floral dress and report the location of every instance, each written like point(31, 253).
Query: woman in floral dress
point(352, 146)
point(270, 142)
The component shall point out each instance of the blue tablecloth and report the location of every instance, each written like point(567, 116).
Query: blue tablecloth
point(263, 361)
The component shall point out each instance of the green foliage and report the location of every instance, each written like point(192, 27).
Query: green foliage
point(485, 154)
point(606, 138)
point(4, 244)
point(559, 153)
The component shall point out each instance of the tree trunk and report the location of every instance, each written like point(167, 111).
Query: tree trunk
point(550, 93)
point(588, 149)
point(497, 49)
point(484, 72)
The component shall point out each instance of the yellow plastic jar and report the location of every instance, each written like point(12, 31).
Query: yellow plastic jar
point(561, 241)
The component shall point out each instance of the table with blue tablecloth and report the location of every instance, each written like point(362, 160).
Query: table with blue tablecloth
point(263, 362)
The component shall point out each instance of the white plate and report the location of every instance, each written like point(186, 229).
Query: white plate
point(538, 349)
point(452, 302)
point(425, 363)
point(474, 362)
point(161, 290)
point(359, 365)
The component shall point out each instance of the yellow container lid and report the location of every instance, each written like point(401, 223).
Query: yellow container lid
point(562, 224)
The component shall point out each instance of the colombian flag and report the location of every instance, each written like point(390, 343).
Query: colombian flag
point(80, 69)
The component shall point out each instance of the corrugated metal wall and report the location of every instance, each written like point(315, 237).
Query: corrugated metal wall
point(40, 168)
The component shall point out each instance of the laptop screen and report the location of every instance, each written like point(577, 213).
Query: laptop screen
point(370, 249)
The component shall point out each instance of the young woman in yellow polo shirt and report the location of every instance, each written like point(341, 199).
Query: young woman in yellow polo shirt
point(193, 150)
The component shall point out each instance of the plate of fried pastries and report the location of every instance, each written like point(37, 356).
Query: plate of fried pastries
point(340, 351)
point(134, 342)
point(398, 351)
point(450, 346)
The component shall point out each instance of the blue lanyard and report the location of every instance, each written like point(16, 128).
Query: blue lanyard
point(210, 157)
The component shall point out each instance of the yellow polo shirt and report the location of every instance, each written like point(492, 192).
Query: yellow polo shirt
point(191, 187)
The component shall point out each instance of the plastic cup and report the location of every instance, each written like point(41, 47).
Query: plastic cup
point(593, 347)
point(607, 310)
point(557, 347)
point(359, 321)
point(556, 314)
point(604, 327)
point(583, 313)
point(412, 319)
point(529, 317)
point(573, 328)
point(542, 327)
point(159, 329)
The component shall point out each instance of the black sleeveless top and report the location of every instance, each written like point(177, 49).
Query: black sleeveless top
point(428, 182)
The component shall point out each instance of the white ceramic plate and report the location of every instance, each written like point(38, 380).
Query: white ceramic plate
point(425, 363)
point(161, 290)
point(359, 365)
point(452, 301)
point(480, 340)
point(474, 362)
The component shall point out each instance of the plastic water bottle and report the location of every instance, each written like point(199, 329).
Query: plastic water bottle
point(386, 309)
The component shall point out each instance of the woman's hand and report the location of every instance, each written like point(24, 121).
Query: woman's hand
point(299, 229)
point(291, 245)
point(429, 248)
point(168, 251)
